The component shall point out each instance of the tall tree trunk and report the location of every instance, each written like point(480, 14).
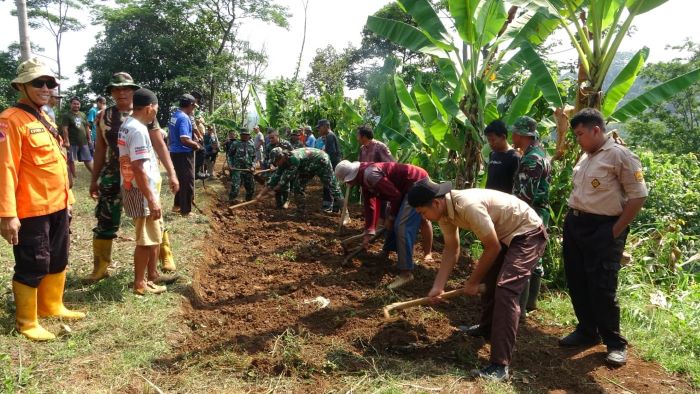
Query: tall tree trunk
point(303, 40)
point(25, 49)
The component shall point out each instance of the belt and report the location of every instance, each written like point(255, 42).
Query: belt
point(584, 214)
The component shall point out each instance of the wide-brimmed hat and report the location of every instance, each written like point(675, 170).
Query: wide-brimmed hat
point(121, 79)
point(30, 70)
point(346, 171)
point(277, 153)
point(525, 126)
point(426, 190)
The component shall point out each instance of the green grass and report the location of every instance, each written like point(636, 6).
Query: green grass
point(669, 336)
point(113, 348)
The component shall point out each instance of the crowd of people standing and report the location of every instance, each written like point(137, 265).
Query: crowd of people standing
point(123, 148)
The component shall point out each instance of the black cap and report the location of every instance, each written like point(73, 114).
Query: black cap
point(186, 100)
point(144, 97)
point(323, 122)
point(426, 190)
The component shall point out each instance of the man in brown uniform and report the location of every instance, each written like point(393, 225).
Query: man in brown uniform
point(513, 238)
point(608, 192)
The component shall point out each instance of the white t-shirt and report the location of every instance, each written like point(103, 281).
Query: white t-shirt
point(135, 144)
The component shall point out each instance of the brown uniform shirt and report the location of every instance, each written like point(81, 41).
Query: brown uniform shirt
point(603, 181)
point(484, 210)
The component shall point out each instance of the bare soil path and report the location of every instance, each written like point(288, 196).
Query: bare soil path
point(252, 301)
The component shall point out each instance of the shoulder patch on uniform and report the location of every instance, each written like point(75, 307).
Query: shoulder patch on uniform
point(639, 176)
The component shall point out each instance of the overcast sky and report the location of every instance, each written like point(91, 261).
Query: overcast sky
point(339, 22)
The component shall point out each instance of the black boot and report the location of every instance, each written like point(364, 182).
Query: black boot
point(535, 283)
point(524, 296)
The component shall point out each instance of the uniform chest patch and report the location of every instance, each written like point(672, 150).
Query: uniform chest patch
point(595, 183)
point(36, 130)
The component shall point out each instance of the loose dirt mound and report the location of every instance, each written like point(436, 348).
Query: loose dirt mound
point(254, 296)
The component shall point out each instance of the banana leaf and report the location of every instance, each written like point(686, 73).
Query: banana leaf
point(489, 21)
point(427, 19)
point(656, 95)
point(524, 100)
point(623, 81)
point(528, 58)
point(534, 27)
point(642, 6)
point(263, 120)
point(463, 11)
point(408, 106)
point(404, 35)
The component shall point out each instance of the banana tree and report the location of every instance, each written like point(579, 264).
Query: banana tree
point(457, 112)
point(596, 29)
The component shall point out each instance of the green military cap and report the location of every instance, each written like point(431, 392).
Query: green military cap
point(243, 130)
point(525, 126)
point(276, 153)
point(121, 79)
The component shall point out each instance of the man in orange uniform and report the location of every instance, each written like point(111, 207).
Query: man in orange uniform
point(35, 198)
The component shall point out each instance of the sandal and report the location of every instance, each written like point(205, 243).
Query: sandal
point(151, 288)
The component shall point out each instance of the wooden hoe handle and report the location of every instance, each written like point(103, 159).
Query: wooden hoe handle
point(243, 204)
point(425, 300)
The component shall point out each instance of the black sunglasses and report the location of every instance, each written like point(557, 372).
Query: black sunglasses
point(40, 83)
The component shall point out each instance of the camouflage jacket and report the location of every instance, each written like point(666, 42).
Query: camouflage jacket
point(241, 154)
point(296, 145)
point(284, 144)
point(303, 163)
point(532, 179)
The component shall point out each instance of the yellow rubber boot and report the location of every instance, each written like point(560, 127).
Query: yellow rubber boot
point(26, 320)
point(167, 262)
point(50, 298)
point(102, 257)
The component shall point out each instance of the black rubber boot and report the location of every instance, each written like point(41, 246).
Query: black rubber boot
point(535, 283)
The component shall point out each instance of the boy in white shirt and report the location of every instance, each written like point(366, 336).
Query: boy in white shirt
point(140, 188)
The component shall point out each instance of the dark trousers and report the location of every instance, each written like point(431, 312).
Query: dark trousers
point(199, 161)
point(184, 169)
point(591, 263)
point(504, 282)
point(327, 195)
point(42, 248)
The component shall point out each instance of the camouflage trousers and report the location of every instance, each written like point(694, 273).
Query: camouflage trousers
point(327, 177)
point(109, 205)
point(238, 177)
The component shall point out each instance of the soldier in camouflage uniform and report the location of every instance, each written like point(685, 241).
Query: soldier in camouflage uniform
point(303, 164)
point(295, 140)
point(241, 154)
point(105, 181)
point(531, 184)
point(281, 194)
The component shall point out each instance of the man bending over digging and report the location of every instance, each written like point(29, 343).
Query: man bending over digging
point(513, 239)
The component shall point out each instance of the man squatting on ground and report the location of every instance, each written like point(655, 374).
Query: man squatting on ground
point(513, 239)
point(104, 184)
point(302, 165)
point(608, 192)
point(140, 188)
point(35, 200)
point(388, 182)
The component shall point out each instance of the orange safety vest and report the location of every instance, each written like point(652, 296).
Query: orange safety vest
point(33, 170)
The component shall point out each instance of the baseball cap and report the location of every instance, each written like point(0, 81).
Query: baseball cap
point(323, 122)
point(346, 171)
point(426, 190)
point(243, 130)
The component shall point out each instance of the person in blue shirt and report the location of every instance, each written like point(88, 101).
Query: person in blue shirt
point(310, 139)
point(182, 147)
point(100, 104)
